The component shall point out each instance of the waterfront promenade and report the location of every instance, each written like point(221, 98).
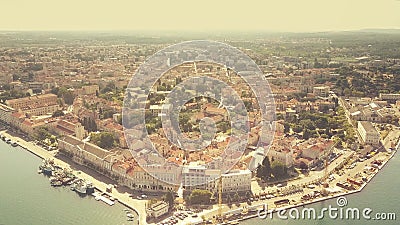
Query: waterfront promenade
point(123, 198)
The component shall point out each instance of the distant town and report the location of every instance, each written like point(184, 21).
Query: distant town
point(336, 122)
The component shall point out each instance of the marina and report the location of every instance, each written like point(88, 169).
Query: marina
point(58, 165)
point(61, 175)
point(30, 199)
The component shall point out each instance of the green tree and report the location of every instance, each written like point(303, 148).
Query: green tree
point(41, 134)
point(264, 169)
point(169, 198)
point(103, 140)
point(278, 170)
point(58, 113)
point(286, 127)
point(200, 197)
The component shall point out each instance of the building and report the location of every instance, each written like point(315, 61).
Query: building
point(65, 128)
point(393, 97)
point(46, 99)
point(285, 157)
point(321, 91)
point(368, 133)
point(157, 209)
point(199, 177)
point(86, 153)
point(35, 105)
point(157, 110)
point(236, 181)
point(5, 113)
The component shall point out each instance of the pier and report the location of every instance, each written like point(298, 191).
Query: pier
point(134, 204)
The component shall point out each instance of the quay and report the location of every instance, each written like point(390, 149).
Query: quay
point(134, 204)
point(139, 205)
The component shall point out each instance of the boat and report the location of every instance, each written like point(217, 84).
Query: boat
point(47, 170)
point(7, 140)
point(89, 188)
point(14, 144)
point(80, 187)
point(56, 183)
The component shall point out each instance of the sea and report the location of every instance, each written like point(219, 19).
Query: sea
point(26, 197)
point(381, 195)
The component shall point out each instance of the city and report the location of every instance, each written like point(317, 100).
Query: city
point(284, 119)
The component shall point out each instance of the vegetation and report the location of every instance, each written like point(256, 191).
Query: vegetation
point(58, 113)
point(12, 94)
point(200, 197)
point(41, 134)
point(169, 198)
point(89, 124)
point(103, 139)
point(275, 170)
point(66, 95)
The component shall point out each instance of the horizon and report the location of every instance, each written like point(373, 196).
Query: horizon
point(308, 16)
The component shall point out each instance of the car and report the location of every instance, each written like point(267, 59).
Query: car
point(279, 185)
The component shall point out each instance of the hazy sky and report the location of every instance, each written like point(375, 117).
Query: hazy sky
point(200, 15)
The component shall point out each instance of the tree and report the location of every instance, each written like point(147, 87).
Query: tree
point(169, 198)
point(278, 170)
point(264, 169)
point(41, 134)
point(286, 127)
point(103, 140)
point(200, 197)
point(306, 134)
point(58, 113)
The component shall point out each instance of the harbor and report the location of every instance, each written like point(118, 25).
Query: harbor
point(28, 197)
point(60, 174)
point(134, 205)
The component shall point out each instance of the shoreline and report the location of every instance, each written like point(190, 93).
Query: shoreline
point(393, 153)
point(41, 153)
point(134, 204)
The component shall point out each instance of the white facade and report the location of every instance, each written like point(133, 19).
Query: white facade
point(389, 96)
point(199, 177)
point(236, 181)
point(368, 133)
point(158, 209)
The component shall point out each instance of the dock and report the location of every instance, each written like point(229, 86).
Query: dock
point(98, 196)
point(134, 204)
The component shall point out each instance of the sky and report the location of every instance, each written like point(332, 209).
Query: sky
point(200, 15)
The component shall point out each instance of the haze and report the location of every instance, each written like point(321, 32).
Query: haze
point(205, 15)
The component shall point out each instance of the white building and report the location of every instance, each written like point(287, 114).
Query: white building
point(199, 177)
point(236, 181)
point(368, 133)
point(158, 209)
point(389, 96)
point(321, 91)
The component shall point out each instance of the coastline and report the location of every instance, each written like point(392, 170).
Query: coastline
point(392, 154)
point(139, 206)
point(123, 198)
